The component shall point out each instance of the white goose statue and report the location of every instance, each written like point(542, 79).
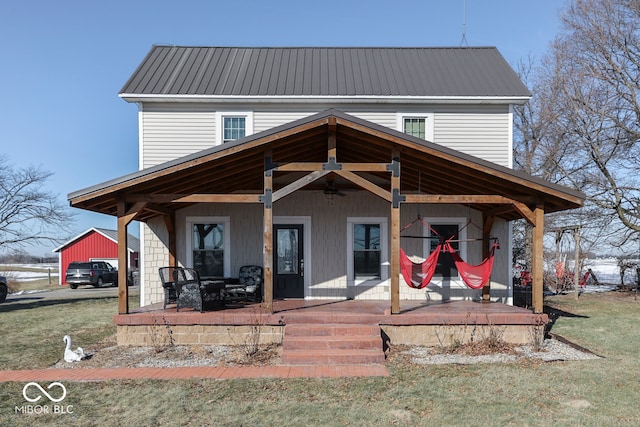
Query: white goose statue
point(72, 355)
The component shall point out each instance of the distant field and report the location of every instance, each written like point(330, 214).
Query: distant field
point(28, 277)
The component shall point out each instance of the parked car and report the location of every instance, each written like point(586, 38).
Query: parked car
point(3, 288)
point(95, 273)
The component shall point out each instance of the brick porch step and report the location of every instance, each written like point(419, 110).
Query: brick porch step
point(311, 344)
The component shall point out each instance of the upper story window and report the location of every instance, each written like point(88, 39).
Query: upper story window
point(233, 128)
point(415, 126)
point(233, 125)
point(419, 125)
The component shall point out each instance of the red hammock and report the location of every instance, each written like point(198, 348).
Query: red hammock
point(418, 275)
point(474, 276)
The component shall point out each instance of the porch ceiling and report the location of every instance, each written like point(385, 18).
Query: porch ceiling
point(238, 168)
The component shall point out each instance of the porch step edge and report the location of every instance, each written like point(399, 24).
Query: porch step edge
point(332, 342)
point(336, 357)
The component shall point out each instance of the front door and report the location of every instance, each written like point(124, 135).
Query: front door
point(288, 278)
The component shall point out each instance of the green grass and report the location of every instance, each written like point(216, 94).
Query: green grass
point(586, 393)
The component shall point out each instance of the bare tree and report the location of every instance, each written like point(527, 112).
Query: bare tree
point(28, 214)
point(597, 67)
point(582, 125)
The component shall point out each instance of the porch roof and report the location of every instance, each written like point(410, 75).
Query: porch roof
point(238, 168)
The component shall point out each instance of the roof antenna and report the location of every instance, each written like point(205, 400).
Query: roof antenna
point(463, 42)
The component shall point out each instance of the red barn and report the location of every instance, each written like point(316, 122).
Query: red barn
point(92, 245)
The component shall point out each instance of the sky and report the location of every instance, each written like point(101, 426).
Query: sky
point(63, 64)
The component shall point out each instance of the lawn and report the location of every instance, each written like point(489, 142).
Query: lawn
point(595, 392)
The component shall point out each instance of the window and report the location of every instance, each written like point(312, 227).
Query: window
point(418, 125)
point(415, 126)
point(232, 125)
point(446, 267)
point(233, 128)
point(208, 246)
point(367, 249)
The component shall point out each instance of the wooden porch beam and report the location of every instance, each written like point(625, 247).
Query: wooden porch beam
point(297, 185)
point(537, 264)
point(458, 198)
point(365, 184)
point(526, 213)
point(331, 140)
point(316, 166)
point(219, 198)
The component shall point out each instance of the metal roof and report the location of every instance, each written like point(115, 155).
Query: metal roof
point(324, 71)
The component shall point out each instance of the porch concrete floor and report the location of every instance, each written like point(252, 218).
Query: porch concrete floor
point(340, 311)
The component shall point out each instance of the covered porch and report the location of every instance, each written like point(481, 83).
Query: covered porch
point(268, 167)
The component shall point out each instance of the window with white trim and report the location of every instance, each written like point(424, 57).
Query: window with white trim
point(367, 249)
point(233, 125)
point(419, 125)
point(208, 245)
point(446, 228)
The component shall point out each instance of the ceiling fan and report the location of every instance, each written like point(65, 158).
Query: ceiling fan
point(330, 190)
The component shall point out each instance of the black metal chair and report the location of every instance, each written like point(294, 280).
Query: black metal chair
point(166, 277)
point(249, 286)
point(189, 290)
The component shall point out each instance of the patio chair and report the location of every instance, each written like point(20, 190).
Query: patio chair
point(249, 286)
point(189, 290)
point(166, 277)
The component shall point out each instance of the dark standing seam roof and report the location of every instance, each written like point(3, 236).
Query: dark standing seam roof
point(325, 71)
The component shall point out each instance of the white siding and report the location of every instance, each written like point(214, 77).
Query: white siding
point(484, 135)
point(170, 132)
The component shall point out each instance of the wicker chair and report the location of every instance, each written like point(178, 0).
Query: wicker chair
point(189, 290)
point(166, 277)
point(249, 286)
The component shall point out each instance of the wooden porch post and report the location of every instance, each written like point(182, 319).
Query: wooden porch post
point(537, 262)
point(123, 244)
point(124, 218)
point(487, 225)
point(395, 236)
point(268, 235)
point(170, 223)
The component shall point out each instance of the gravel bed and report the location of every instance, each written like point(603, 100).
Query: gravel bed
point(552, 350)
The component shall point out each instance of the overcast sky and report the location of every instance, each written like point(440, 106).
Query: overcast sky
point(64, 62)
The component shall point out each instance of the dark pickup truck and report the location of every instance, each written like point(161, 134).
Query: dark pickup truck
point(94, 273)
